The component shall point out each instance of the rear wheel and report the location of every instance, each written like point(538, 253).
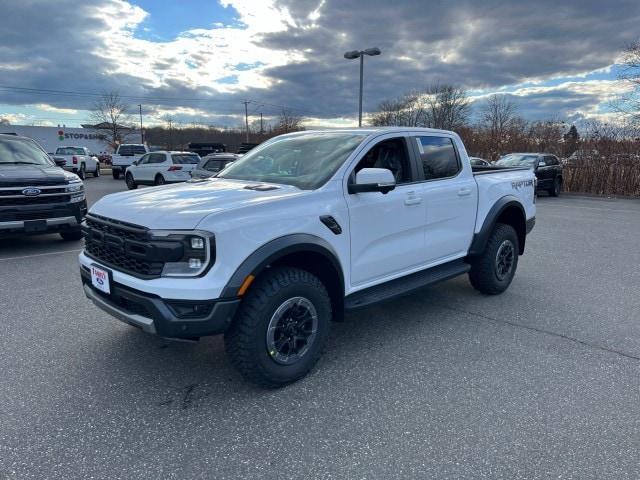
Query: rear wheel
point(493, 271)
point(115, 174)
point(131, 183)
point(557, 186)
point(281, 328)
point(159, 180)
point(71, 235)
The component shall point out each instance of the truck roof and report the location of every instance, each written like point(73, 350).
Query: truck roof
point(373, 130)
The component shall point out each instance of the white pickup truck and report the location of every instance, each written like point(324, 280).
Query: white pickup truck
point(125, 155)
point(300, 229)
point(78, 160)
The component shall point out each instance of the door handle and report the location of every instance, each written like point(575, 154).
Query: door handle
point(463, 192)
point(412, 199)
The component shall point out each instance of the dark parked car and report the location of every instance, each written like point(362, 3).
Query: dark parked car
point(547, 167)
point(212, 164)
point(36, 195)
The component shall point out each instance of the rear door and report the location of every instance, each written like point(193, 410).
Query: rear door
point(451, 197)
point(387, 230)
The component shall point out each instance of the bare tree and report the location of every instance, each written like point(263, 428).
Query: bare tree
point(628, 104)
point(288, 122)
point(498, 115)
point(448, 107)
point(110, 117)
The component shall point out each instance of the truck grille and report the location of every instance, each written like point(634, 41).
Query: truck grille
point(120, 245)
point(39, 200)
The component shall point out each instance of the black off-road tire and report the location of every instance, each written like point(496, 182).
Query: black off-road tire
point(82, 171)
point(97, 172)
point(484, 274)
point(131, 183)
point(115, 174)
point(71, 235)
point(159, 180)
point(246, 339)
point(557, 187)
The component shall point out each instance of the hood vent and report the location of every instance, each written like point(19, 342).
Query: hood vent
point(262, 187)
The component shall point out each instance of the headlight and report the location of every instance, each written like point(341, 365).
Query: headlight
point(198, 252)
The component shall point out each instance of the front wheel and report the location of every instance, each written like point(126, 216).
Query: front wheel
point(131, 183)
point(97, 172)
point(493, 271)
point(281, 328)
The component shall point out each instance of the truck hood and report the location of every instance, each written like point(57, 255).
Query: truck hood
point(183, 206)
point(31, 174)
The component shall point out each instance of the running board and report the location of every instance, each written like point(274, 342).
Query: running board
point(405, 285)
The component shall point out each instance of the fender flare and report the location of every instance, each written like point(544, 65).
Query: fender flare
point(481, 238)
point(272, 251)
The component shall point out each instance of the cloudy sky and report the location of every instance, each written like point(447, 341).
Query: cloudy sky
point(197, 60)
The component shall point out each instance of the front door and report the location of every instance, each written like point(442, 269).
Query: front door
point(387, 230)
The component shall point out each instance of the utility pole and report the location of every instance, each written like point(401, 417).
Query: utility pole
point(141, 131)
point(246, 119)
point(261, 129)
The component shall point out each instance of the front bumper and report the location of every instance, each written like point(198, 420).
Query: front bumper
point(158, 316)
point(41, 219)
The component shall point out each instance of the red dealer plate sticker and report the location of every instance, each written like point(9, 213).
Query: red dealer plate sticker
point(100, 279)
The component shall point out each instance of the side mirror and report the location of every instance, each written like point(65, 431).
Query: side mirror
point(135, 162)
point(60, 162)
point(542, 163)
point(373, 180)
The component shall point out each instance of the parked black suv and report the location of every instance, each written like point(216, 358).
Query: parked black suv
point(547, 168)
point(36, 195)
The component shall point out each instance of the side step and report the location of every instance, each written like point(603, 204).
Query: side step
point(404, 285)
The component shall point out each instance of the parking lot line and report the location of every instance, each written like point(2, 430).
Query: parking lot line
point(40, 254)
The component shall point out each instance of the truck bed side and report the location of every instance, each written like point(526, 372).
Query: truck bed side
point(496, 183)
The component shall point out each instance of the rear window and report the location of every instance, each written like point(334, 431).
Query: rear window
point(131, 150)
point(438, 155)
point(185, 159)
point(69, 151)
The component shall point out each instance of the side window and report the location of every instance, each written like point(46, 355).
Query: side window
point(213, 166)
point(551, 160)
point(157, 158)
point(438, 157)
point(144, 159)
point(391, 154)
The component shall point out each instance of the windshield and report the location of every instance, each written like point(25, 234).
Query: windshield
point(517, 160)
point(305, 161)
point(20, 151)
point(69, 151)
point(182, 159)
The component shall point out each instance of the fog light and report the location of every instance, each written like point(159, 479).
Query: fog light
point(195, 263)
point(197, 242)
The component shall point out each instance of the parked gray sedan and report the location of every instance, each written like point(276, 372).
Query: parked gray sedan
point(212, 164)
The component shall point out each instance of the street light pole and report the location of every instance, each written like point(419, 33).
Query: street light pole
point(352, 55)
point(141, 131)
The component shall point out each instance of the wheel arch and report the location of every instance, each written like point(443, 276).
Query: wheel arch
point(507, 210)
point(303, 251)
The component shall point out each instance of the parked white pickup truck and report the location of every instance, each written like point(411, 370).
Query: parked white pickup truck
point(300, 229)
point(125, 155)
point(78, 160)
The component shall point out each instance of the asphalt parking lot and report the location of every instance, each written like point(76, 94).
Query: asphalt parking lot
point(542, 381)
